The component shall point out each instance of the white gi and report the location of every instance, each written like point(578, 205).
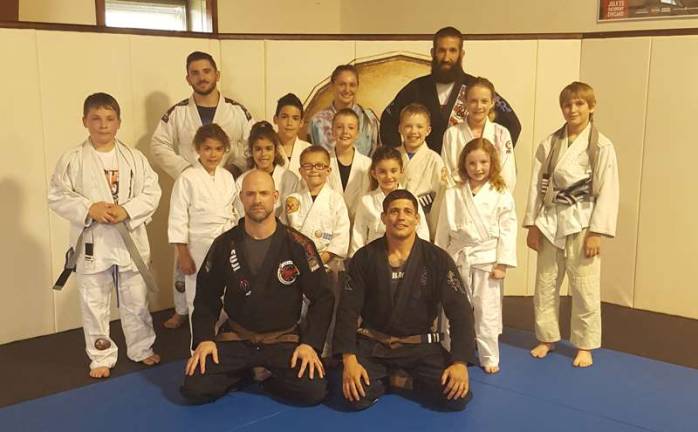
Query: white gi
point(78, 182)
point(358, 184)
point(479, 232)
point(172, 143)
point(456, 137)
point(293, 162)
point(368, 225)
point(563, 228)
point(201, 208)
point(173, 150)
point(424, 177)
point(285, 182)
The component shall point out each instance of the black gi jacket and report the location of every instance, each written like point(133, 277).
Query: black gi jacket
point(431, 278)
point(272, 300)
point(423, 90)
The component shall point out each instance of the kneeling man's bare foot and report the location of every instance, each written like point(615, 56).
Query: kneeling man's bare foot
point(99, 372)
point(583, 359)
point(491, 369)
point(542, 349)
point(175, 321)
point(151, 360)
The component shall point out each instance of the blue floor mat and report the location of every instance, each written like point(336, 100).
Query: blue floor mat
point(620, 393)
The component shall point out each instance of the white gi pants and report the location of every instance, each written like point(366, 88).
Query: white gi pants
point(585, 287)
point(136, 322)
point(486, 299)
point(179, 298)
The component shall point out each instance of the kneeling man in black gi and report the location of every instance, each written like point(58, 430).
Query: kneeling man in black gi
point(264, 268)
point(396, 286)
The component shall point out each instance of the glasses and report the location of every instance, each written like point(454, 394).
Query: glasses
point(318, 166)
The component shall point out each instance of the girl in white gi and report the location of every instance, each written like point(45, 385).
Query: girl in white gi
point(202, 205)
point(572, 204)
point(479, 122)
point(108, 192)
point(349, 168)
point(265, 154)
point(289, 120)
point(386, 174)
point(477, 226)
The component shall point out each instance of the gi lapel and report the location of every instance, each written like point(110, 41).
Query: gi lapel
point(455, 109)
point(93, 181)
point(467, 196)
point(412, 267)
point(193, 113)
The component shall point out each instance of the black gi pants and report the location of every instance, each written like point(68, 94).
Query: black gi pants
point(425, 363)
point(236, 359)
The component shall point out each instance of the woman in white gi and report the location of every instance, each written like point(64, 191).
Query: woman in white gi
point(477, 226)
point(479, 122)
point(108, 192)
point(265, 154)
point(386, 173)
point(572, 204)
point(202, 205)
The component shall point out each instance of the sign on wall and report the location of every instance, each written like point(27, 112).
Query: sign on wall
point(612, 10)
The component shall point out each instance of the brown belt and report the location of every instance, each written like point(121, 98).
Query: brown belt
point(237, 333)
point(393, 342)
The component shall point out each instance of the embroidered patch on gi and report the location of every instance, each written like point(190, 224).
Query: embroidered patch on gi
point(287, 272)
point(292, 205)
point(101, 344)
point(234, 263)
point(509, 146)
point(347, 283)
point(455, 283)
point(179, 286)
point(245, 287)
point(424, 279)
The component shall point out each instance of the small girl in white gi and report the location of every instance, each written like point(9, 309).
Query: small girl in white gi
point(201, 207)
point(386, 174)
point(479, 122)
point(108, 192)
point(477, 226)
point(264, 154)
point(572, 205)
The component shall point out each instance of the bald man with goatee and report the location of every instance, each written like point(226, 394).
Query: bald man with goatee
point(264, 268)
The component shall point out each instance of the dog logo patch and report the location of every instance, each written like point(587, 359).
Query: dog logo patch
point(287, 272)
point(292, 205)
point(245, 287)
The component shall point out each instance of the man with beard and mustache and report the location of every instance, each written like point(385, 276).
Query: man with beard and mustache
point(443, 93)
point(172, 148)
point(397, 285)
point(263, 269)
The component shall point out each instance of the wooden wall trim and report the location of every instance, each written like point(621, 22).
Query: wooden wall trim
point(362, 37)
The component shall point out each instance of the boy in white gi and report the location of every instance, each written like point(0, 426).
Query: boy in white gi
point(349, 168)
point(477, 226)
point(425, 174)
point(479, 122)
point(572, 204)
point(108, 192)
point(386, 175)
point(201, 207)
point(264, 148)
point(289, 120)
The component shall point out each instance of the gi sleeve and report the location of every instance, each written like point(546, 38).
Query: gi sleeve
point(162, 147)
point(443, 228)
point(178, 220)
point(359, 232)
point(458, 311)
point(506, 156)
point(605, 214)
point(141, 207)
point(449, 153)
point(210, 285)
point(422, 227)
point(535, 201)
point(339, 244)
point(390, 119)
point(506, 243)
point(351, 302)
point(62, 197)
point(506, 117)
point(316, 287)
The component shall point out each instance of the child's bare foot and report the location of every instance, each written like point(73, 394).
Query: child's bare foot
point(542, 349)
point(151, 360)
point(491, 369)
point(99, 372)
point(583, 359)
point(175, 321)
